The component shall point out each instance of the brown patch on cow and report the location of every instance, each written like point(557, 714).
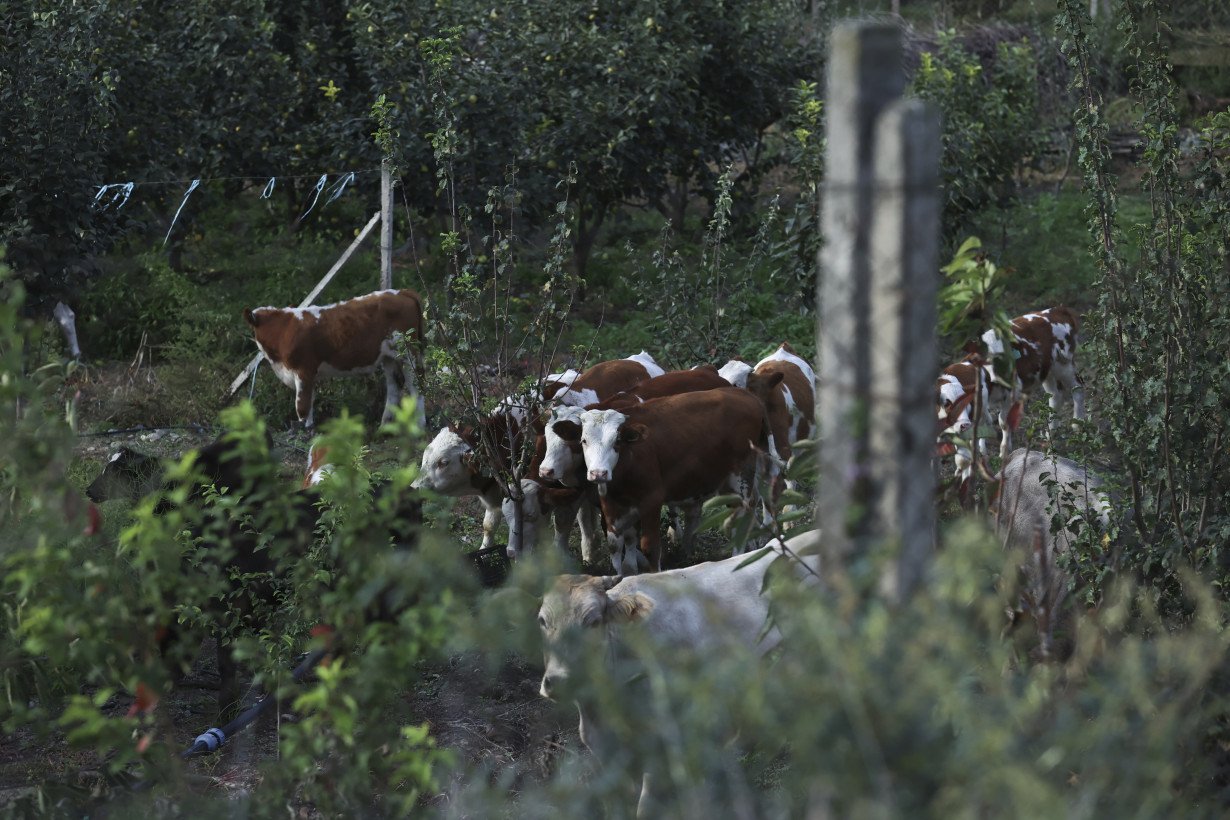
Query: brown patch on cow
point(608, 378)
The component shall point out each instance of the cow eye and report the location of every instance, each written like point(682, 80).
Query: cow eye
point(442, 462)
point(947, 402)
point(585, 441)
point(542, 622)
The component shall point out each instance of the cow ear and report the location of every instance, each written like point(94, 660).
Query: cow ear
point(550, 389)
point(251, 318)
point(567, 430)
point(627, 608)
point(632, 432)
point(971, 348)
point(775, 379)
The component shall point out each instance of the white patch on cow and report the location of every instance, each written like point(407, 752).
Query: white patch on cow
point(318, 475)
point(995, 345)
point(599, 432)
point(577, 398)
point(796, 415)
point(646, 361)
point(443, 469)
point(783, 355)
point(559, 461)
point(315, 309)
point(566, 378)
point(284, 374)
point(736, 372)
point(513, 407)
point(951, 391)
point(1029, 317)
point(115, 458)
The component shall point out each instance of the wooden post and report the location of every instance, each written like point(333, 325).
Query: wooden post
point(876, 334)
point(905, 356)
point(386, 225)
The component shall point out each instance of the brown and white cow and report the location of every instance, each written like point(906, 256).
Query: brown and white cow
point(1044, 345)
point(671, 449)
point(451, 467)
point(318, 466)
point(601, 381)
point(786, 383)
point(343, 339)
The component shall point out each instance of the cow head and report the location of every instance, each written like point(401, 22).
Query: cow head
point(563, 439)
point(736, 372)
point(604, 433)
point(447, 466)
point(127, 474)
point(572, 610)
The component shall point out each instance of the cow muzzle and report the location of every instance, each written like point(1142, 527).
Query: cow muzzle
point(599, 476)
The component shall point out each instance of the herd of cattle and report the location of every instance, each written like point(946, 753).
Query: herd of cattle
point(617, 443)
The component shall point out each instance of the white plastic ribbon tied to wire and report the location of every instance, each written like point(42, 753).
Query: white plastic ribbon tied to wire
point(268, 192)
point(320, 186)
point(339, 187)
point(175, 219)
point(119, 197)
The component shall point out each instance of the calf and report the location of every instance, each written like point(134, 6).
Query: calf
point(706, 608)
point(344, 339)
point(1043, 503)
point(601, 381)
point(671, 449)
point(451, 466)
point(786, 384)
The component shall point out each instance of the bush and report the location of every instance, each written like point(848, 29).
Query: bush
point(990, 121)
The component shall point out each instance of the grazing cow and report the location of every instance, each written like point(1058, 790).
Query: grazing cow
point(672, 449)
point(450, 465)
point(786, 383)
point(344, 339)
point(1042, 504)
point(1044, 346)
point(601, 381)
point(706, 608)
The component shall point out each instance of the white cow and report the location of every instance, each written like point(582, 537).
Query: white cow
point(1044, 502)
point(706, 608)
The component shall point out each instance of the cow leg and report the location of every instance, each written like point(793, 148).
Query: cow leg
point(562, 517)
point(587, 520)
point(651, 532)
point(411, 374)
point(622, 538)
point(67, 320)
point(391, 392)
point(491, 519)
point(1005, 441)
point(305, 399)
